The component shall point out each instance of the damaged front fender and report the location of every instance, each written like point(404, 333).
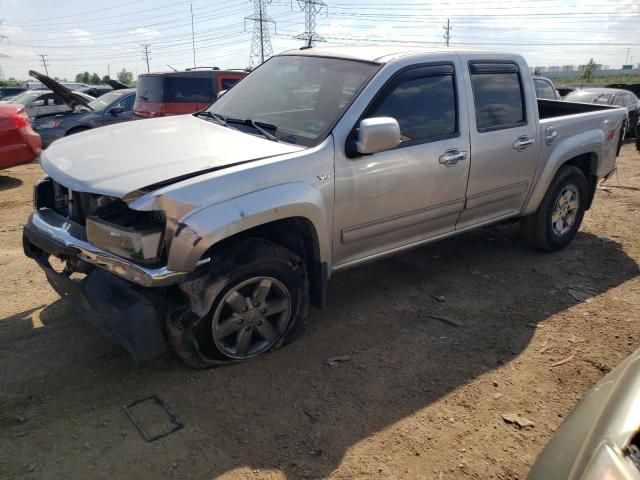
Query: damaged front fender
point(202, 229)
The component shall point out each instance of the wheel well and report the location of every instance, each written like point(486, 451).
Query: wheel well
point(298, 235)
point(588, 163)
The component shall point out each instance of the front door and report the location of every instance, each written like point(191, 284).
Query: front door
point(127, 114)
point(398, 197)
point(503, 125)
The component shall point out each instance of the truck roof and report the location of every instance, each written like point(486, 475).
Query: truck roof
point(378, 53)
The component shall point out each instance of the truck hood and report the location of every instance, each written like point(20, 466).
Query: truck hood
point(130, 156)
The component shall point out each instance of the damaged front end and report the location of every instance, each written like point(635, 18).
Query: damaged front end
point(114, 260)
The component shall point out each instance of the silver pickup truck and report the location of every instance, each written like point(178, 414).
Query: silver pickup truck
point(211, 233)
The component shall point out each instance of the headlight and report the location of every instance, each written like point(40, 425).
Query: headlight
point(127, 233)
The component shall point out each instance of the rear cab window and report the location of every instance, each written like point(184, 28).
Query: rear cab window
point(498, 96)
point(424, 102)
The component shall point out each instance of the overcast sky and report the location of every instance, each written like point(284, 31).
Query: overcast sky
point(102, 35)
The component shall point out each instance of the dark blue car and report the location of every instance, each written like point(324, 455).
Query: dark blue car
point(112, 107)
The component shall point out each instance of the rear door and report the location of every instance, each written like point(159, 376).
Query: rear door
point(503, 122)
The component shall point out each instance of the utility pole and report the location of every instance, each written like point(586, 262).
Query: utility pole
point(261, 41)
point(627, 60)
point(43, 56)
point(311, 8)
point(447, 33)
point(193, 37)
point(109, 71)
point(145, 52)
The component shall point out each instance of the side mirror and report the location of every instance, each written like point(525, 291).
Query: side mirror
point(116, 110)
point(221, 93)
point(377, 135)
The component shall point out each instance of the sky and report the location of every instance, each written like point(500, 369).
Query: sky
point(105, 36)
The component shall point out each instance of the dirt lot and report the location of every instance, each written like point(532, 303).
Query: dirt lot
point(417, 398)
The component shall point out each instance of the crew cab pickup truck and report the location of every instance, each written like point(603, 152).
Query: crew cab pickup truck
point(210, 233)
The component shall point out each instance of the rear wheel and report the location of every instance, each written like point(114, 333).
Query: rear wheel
point(259, 293)
point(557, 220)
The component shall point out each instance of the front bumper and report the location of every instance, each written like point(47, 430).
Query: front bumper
point(118, 309)
point(107, 296)
point(59, 236)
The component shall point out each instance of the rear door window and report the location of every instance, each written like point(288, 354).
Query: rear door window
point(188, 89)
point(498, 96)
point(620, 100)
point(227, 83)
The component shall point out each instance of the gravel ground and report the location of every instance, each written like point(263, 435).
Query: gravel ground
point(415, 397)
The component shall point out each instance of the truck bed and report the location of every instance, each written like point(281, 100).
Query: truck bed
point(557, 108)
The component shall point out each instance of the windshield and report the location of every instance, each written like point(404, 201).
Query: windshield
point(105, 100)
point(582, 96)
point(25, 98)
point(299, 97)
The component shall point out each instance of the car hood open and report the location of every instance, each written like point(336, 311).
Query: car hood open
point(70, 98)
point(120, 159)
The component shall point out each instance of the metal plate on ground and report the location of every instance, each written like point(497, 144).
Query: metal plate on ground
point(153, 418)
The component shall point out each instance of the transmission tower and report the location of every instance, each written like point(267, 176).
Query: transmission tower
point(447, 33)
point(311, 8)
point(261, 41)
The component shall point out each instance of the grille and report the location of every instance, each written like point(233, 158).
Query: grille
point(76, 206)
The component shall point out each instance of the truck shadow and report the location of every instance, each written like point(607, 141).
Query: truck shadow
point(292, 412)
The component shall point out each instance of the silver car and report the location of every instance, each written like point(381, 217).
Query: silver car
point(601, 438)
point(44, 102)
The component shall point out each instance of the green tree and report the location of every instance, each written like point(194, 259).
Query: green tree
point(125, 76)
point(105, 79)
point(95, 79)
point(588, 70)
point(83, 77)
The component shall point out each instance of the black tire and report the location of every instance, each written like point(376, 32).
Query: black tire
point(192, 337)
point(537, 229)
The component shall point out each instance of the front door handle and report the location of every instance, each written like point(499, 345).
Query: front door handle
point(452, 156)
point(523, 142)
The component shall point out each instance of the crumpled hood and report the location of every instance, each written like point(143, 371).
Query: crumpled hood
point(121, 158)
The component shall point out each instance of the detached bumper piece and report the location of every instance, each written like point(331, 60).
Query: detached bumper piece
point(112, 305)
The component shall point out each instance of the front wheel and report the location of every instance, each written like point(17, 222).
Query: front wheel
point(259, 292)
point(559, 216)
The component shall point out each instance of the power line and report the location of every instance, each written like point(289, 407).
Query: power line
point(447, 33)
point(261, 41)
point(311, 8)
point(193, 37)
point(145, 52)
point(43, 56)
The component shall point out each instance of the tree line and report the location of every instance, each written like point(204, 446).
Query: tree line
point(123, 76)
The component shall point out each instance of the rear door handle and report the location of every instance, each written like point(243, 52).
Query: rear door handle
point(523, 142)
point(452, 156)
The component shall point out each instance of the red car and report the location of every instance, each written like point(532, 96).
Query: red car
point(176, 93)
point(18, 142)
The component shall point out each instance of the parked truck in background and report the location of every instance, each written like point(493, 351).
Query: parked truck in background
point(213, 232)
